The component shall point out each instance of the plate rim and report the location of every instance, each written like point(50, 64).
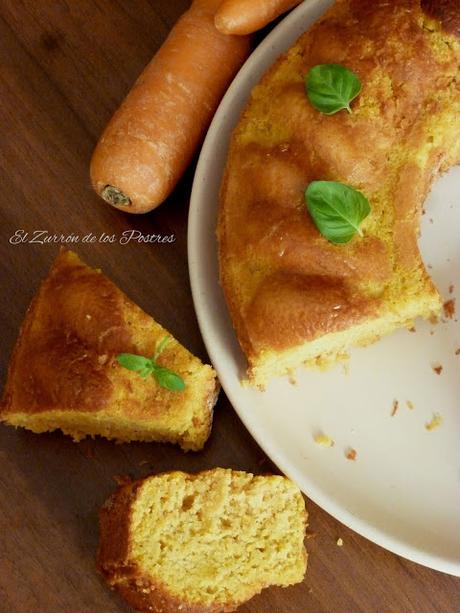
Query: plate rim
point(361, 526)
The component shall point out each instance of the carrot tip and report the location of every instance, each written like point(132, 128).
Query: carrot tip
point(114, 196)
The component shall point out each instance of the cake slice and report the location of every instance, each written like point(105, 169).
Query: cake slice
point(202, 543)
point(65, 372)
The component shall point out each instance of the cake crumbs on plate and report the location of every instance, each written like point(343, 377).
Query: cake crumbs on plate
point(449, 308)
point(451, 288)
point(339, 542)
point(351, 454)
point(345, 368)
point(435, 422)
point(410, 404)
point(457, 351)
point(323, 440)
point(437, 368)
point(395, 407)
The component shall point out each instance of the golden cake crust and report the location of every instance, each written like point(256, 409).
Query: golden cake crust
point(284, 283)
point(64, 363)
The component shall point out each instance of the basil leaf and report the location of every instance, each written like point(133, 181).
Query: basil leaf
point(145, 367)
point(134, 362)
point(337, 209)
point(160, 347)
point(331, 87)
point(168, 379)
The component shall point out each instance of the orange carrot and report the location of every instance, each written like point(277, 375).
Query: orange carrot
point(246, 16)
point(152, 137)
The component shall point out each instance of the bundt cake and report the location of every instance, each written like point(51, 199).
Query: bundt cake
point(295, 297)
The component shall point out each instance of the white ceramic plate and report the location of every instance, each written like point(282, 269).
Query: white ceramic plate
point(403, 490)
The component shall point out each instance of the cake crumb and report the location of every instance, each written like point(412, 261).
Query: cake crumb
point(435, 422)
point(339, 542)
point(457, 352)
point(449, 308)
point(351, 454)
point(412, 329)
point(395, 408)
point(437, 368)
point(451, 288)
point(324, 440)
point(410, 404)
point(345, 368)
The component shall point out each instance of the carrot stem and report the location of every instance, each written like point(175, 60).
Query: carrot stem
point(114, 196)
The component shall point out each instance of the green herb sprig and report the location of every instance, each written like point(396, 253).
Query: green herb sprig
point(331, 87)
point(337, 210)
point(148, 366)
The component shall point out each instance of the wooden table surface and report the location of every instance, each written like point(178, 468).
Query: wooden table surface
point(66, 65)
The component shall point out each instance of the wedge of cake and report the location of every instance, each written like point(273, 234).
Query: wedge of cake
point(204, 543)
point(294, 297)
point(66, 372)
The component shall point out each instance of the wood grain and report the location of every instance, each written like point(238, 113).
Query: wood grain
point(65, 66)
